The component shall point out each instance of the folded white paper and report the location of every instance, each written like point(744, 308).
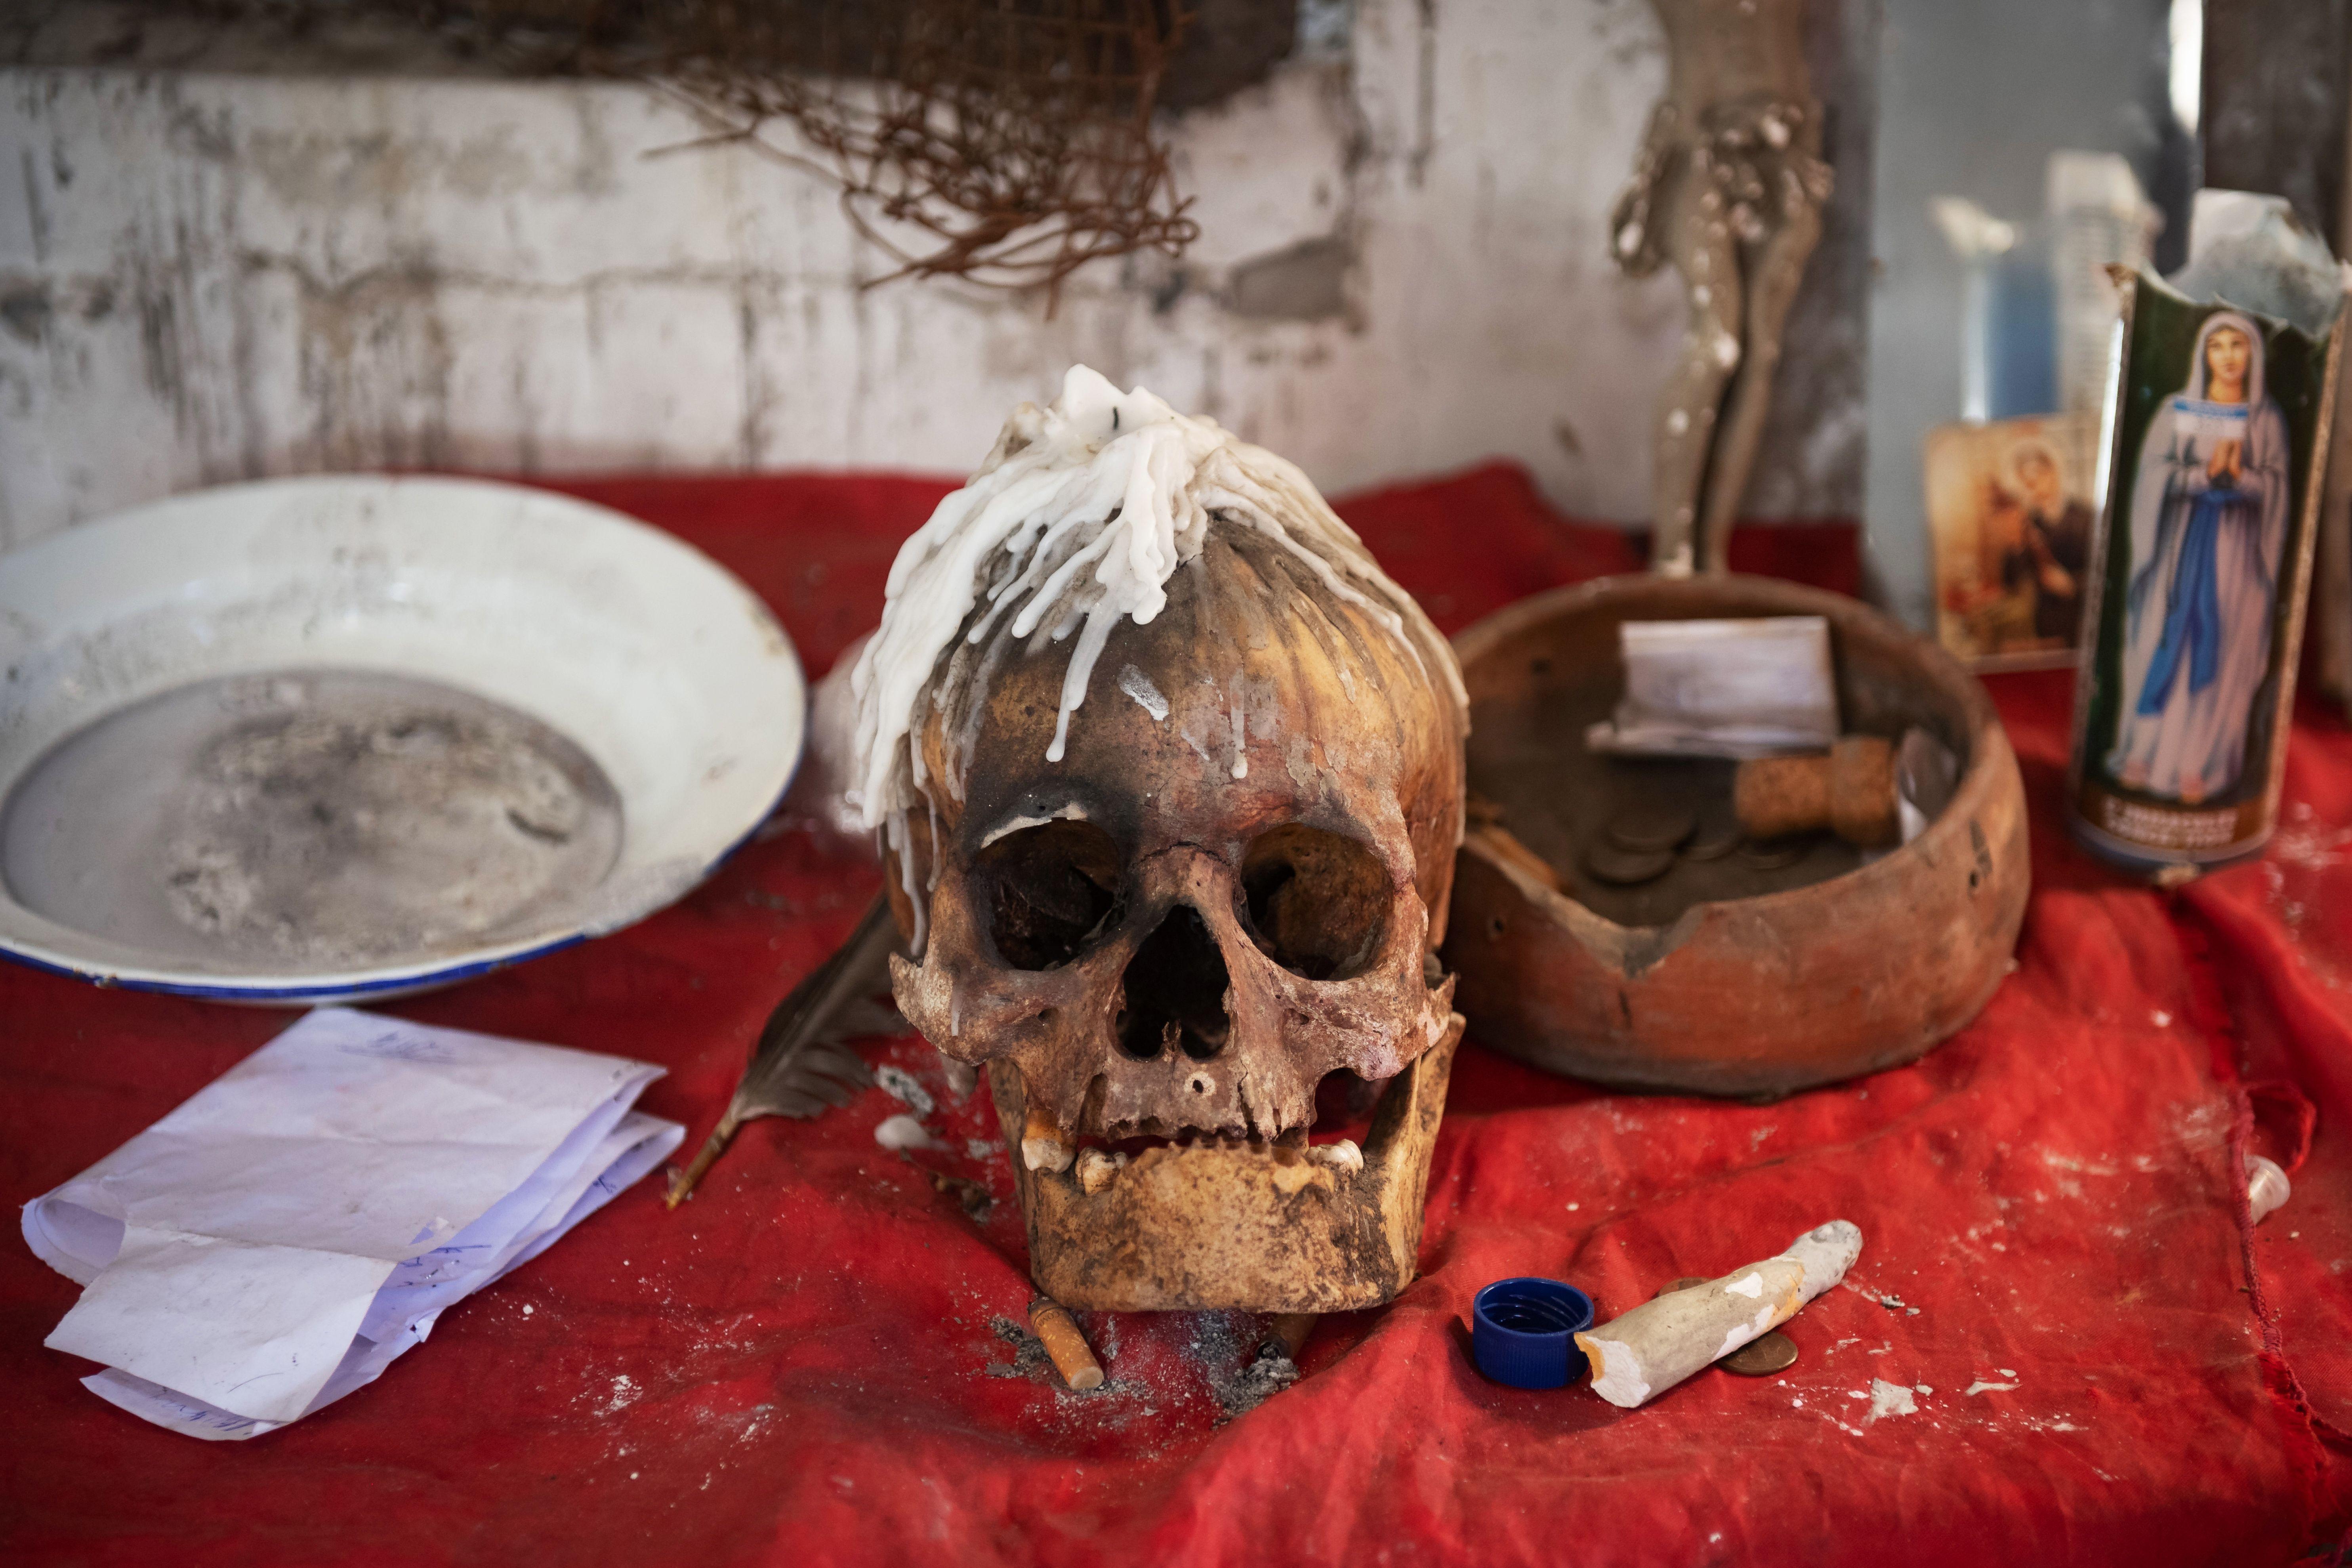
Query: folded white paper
point(278, 1239)
point(1749, 688)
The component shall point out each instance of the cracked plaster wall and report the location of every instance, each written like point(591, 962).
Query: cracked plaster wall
point(1402, 269)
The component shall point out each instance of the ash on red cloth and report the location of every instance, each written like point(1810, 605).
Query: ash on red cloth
point(2060, 1344)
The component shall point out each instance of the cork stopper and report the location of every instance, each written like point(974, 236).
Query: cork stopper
point(1851, 791)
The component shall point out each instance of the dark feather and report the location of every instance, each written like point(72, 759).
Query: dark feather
point(802, 1064)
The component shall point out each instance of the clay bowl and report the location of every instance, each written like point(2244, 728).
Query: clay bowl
point(1795, 976)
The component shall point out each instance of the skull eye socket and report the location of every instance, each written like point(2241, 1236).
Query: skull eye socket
point(1315, 902)
point(1050, 891)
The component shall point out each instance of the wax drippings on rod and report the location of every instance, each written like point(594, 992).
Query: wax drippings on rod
point(1078, 519)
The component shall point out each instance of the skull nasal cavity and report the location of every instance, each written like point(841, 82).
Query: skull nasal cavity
point(1176, 991)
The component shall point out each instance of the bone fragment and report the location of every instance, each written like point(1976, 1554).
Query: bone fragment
point(1851, 790)
point(1096, 1169)
point(1042, 1148)
point(2266, 1186)
point(903, 1131)
point(1657, 1344)
point(1072, 1357)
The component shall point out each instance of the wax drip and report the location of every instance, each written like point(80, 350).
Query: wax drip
point(1078, 519)
point(901, 842)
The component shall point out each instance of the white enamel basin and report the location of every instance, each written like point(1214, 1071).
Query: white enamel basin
point(322, 739)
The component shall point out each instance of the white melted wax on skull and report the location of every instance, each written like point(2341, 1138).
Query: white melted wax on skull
point(1078, 519)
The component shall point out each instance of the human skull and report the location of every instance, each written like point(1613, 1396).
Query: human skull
point(1164, 913)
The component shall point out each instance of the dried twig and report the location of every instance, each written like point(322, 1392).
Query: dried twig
point(1005, 142)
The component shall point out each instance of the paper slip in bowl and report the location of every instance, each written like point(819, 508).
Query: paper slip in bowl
point(278, 1239)
point(1725, 687)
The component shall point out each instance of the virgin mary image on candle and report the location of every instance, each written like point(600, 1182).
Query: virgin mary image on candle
point(2208, 522)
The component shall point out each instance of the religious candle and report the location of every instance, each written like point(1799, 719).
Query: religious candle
point(2214, 446)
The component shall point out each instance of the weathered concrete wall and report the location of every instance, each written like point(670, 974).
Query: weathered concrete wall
point(1402, 268)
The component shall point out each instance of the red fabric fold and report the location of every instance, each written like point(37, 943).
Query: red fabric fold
point(2061, 1345)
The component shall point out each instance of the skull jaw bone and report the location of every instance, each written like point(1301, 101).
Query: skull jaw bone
point(1205, 1227)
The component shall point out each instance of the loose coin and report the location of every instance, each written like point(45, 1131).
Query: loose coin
point(1772, 854)
point(1713, 842)
point(1759, 1357)
point(1626, 867)
point(1650, 825)
point(1762, 1356)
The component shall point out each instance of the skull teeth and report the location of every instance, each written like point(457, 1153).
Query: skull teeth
point(1045, 1154)
point(1289, 1168)
point(1342, 1155)
point(1096, 1170)
point(1043, 1147)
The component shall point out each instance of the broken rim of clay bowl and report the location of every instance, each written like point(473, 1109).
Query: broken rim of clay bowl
point(346, 737)
point(1754, 996)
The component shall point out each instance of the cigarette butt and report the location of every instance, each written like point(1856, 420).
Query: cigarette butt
point(1059, 1331)
point(1290, 1330)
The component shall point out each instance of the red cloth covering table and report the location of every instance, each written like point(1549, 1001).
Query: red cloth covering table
point(2061, 1344)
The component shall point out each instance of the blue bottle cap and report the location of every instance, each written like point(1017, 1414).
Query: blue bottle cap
point(1520, 1328)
